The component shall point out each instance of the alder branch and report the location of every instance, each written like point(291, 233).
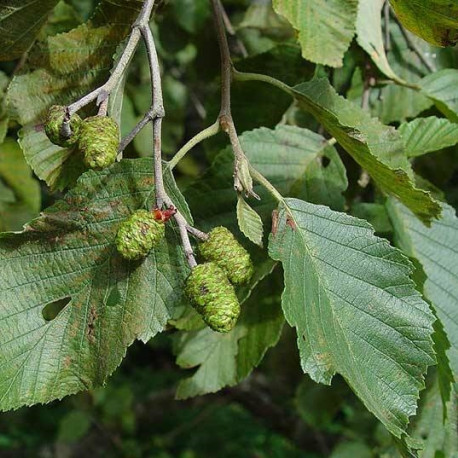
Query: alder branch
point(196, 233)
point(199, 137)
point(102, 92)
point(242, 178)
point(149, 116)
point(231, 31)
point(157, 112)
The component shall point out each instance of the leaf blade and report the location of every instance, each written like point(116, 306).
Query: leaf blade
point(325, 28)
point(377, 148)
point(349, 295)
point(17, 16)
point(69, 253)
point(250, 222)
point(424, 135)
point(434, 21)
point(441, 88)
point(434, 248)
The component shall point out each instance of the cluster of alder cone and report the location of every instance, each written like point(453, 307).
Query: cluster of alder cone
point(209, 287)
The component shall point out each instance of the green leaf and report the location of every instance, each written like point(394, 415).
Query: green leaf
point(250, 222)
point(376, 148)
point(69, 255)
point(369, 35)
point(58, 167)
point(444, 371)
point(424, 135)
point(436, 250)
point(196, 13)
point(356, 311)
point(325, 28)
point(226, 359)
point(20, 23)
point(215, 354)
point(68, 66)
point(292, 158)
point(441, 87)
point(393, 102)
point(375, 214)
point(433, 20)
point(440, 438)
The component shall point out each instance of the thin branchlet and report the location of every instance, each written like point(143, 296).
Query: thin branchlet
point(225, 114)
point(103, 92)
point(156, 113)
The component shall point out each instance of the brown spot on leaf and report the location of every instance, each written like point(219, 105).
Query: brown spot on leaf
point(290, 222)
point(91, 325)
point(274, 222)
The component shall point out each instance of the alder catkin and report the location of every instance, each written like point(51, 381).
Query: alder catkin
point(138, 235)
point(99, 141)
point(212, 295)
point(223, 249)
point(53, 126)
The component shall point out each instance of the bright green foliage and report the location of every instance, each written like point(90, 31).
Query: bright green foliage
point(17, 17)
point(223, 249)
point(250, 222)
point(98, 141)
point(66, 67)
point(369, 31)
point(356, 312)
point(139, 234)
point(406, 65)
point(325, 28)
point(226, 359)
point(71, 303)
point(215, 353)
point(424, 135)
point(377, 148)
point(69, 252)
point(211, 294)
point(289, 156)
point(58, 167)
point(435, 249)
point(436, 21)
point(441, 87)
point(53, 126)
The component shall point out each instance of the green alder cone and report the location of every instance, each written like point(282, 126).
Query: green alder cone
point(212, 295)
point(138, 235)
point(223, 249)
point(99, 141)
point(53, 124)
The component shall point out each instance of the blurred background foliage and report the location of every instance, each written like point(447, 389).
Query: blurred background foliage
point(277, 411)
